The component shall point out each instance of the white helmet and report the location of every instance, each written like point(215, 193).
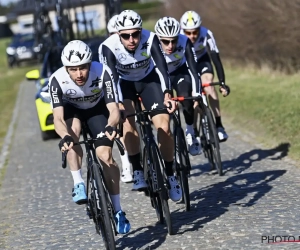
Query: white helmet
point(111, 25)
point(76, 53)
point(128, 19)
point(190, 20)
point(167, 27)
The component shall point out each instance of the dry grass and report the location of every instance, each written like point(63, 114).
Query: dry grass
point(260, 32)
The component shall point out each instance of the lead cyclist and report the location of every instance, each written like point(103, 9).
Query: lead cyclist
point(203, 41)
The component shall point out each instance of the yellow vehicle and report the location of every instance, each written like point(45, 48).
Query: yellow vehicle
point(42, 103)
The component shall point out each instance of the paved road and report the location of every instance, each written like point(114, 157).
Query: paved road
point(257, 196)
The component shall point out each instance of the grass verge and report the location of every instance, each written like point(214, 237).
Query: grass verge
point(265, 103)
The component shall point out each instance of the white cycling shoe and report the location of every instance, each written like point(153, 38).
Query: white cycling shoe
point(222, 134)
point(194, 145)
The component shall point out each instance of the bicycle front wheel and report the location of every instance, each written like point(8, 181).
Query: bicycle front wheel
point(163, 194)
point(183, 166)
point(101, 206)
point(214, 145)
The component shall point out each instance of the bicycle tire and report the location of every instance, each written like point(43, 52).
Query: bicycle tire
point(155, 202)
point(163, 194)
point(104, 223)
point(184, 168)
point(214, 143)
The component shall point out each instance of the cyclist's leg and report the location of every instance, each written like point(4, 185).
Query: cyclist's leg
point(97, 123)
point(130, 135)
point(126, 175)
point(161, 121)
point(74, 156)
point(182, 83)
point(207, 75)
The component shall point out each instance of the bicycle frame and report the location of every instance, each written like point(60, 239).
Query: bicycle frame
point(148, 139)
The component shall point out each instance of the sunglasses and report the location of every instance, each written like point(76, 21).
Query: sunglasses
point(134, 35)
point(167, 42)
point(195, 32)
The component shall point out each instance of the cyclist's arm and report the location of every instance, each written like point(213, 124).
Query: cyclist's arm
point(215, 56)
point(161, 65)
point(56, 94)
point(108, 58)
point(111, 98)
point(191, 60)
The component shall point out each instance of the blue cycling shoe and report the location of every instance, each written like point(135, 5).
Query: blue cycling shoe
point(123, 225)
point(78, 193)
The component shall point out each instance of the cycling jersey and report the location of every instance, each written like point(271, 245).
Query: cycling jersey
point(136, 65)
point(100, 84)
point(206, 40)
point(185, 54)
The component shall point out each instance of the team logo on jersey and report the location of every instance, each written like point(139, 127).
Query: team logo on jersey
point(145, 45)
point(95, 91)
point(177, 56)
point(145, 54)
point(122, 57)
point(71, 92)
point(179, 48)
point(95, 82)
point(65, 82)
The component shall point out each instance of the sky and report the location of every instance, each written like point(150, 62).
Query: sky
point(5, 2)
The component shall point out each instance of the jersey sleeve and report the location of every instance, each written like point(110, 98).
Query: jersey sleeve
point(107, 57)
point(161, 65)
point(215, 57)
point(191, 60)
point(56, 93)
point(109, 86)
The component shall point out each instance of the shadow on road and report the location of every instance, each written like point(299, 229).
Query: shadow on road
point(242, 190)
point(207, 204)
point(245, 160)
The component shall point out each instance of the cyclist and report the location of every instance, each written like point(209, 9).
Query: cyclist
point(111, 25)
point(137, 61)
point(126, 175)
point(83, 90)
point(202, 38)
point(181, 60)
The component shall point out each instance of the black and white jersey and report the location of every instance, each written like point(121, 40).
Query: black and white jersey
point(205, 39)
point(185, 54)
point(100, 84)
point(134, 66)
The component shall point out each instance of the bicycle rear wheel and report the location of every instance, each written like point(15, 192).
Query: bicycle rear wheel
point(183, 167)
point(214, 145)
point(163, 193)
point(102, 208)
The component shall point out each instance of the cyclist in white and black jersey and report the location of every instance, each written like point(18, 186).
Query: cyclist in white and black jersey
point(181, 60)
point(137, 61)
point(83, 90)
point(204, 42)
point(126, 175)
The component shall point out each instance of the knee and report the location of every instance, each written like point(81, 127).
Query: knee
point(104, 154)
point(129, 124)
point(164, 126)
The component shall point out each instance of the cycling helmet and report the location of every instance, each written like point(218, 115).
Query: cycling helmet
point(128, 19)
point(111, 25)
point(76, 53)
point(190, 20)
point(167, 27)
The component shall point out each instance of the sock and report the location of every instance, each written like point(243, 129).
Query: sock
point(190, 129)
point(77, 178)
point(169, 168)
point(115, 199)
point(135, 162)
point(219, 122)
point(125, 160)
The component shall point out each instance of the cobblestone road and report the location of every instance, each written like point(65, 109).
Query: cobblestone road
point(257, 196)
